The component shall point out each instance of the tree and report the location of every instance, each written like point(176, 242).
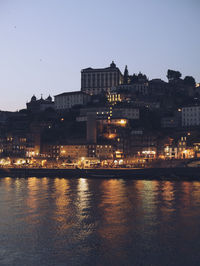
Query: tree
point(190, 81)
point(173, 75)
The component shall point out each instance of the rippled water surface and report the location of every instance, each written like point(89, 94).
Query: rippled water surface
point(99, 222)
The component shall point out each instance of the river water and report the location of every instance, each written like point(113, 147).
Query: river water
point(61, 221)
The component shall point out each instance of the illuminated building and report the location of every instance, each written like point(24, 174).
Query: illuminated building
point(104, 151)
point(13, 145)
point(170, 152)
point(119, 122)
point(149, 153)
point(140, 144)
point(96, 81)
point(101, 151)
point(73, 151)
point(136, 84)
point(181, 149)
point(197, 149)
point(114, 97)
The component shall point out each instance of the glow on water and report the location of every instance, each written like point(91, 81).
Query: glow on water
point(61, 221)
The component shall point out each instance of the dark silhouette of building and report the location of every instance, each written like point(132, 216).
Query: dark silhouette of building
point(38, 105)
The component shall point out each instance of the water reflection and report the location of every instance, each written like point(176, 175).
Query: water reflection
point(60, 194)
point(82, 197)
point(59, 204)
point(82, 202)
point(122, 222)
point(167, 196)
point(168, 193)
point(195, 195)
point(7, 181)
point(147, 196)
point(114, 206)
point(33, 186)
point(113, 201)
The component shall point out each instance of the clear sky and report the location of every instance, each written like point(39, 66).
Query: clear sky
point(44, 44)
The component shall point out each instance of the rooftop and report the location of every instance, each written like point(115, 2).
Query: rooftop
point(71, 93)
point(111, 67)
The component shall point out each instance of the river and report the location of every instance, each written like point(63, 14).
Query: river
point(57, 221)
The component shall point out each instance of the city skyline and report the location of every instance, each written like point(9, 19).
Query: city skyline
point(44, 45)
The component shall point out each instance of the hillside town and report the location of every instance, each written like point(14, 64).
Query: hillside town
point(115, 120)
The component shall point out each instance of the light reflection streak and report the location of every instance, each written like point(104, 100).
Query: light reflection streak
point(18, 184)
point(167, 197)
point(82, 196)
point(61, 200)
point(186, 187)
point(45, 181)
point(33, 188)
point(61, 210)
point(83, 206)
point(147, 189)
point(195, 195)
point(7, 181)
point(168, 192)
point(147, 193)
point(139, 185)
point(114, 205)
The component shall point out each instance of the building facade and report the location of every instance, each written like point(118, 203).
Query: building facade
point(73, 151)
point(37, 105)
point(69, 99)
point(191, 116)
point(128, 113)
point(96, 81)
point(101, 152)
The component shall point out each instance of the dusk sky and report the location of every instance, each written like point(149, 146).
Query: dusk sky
point(44, 44)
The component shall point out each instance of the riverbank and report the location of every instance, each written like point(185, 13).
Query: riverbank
point(177, 173)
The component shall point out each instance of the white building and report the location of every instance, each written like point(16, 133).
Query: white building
point(191, 116)
point(94, 81)
point(69, 99)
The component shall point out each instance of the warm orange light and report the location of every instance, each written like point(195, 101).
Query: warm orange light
point(44, 162)
point(110, 135)
point(149, 152)
point(122, 122)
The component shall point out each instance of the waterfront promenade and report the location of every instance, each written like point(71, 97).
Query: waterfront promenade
point(176, 173)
